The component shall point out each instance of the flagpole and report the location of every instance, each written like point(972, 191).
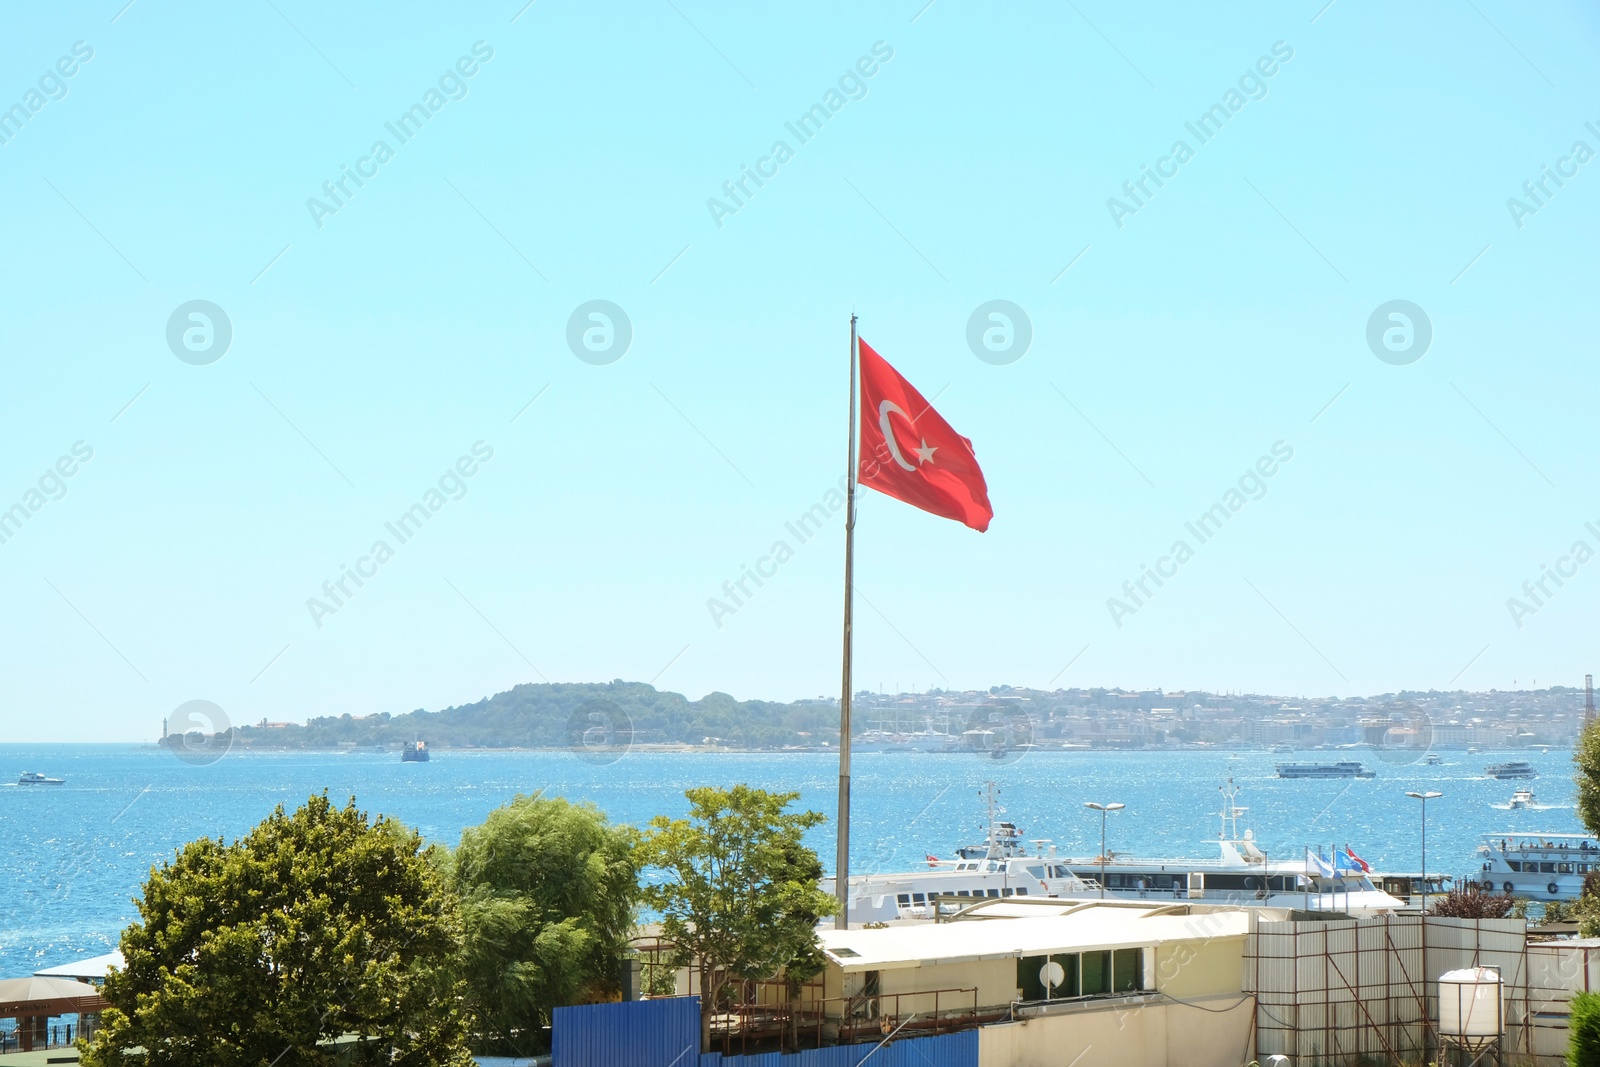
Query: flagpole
point(841, 920)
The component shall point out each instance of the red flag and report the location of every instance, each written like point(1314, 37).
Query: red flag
point(910, 453)
point(1357, 860)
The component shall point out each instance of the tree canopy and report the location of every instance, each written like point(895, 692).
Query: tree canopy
point(738, 891)
point(547, 892)
point(313, 927)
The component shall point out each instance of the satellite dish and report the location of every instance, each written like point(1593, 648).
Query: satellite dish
point(1052, 975)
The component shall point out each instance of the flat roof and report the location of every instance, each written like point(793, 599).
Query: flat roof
point(94, 967)
point(1087, 928)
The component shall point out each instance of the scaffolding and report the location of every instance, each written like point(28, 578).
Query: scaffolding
point(1341, 992)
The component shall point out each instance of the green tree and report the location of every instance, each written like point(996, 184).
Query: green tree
point(548, 893)
point(1586, 758)
point(1583, 1031)
point(313, 927)
point(739, 896)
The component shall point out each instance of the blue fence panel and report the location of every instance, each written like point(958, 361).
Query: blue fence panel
point(634, 1033)
point(666, 1033)
point(946, 1050)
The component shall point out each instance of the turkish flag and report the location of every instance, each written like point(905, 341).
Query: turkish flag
point(910, 453)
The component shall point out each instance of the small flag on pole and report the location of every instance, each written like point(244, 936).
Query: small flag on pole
point(1315, 864)
point(1357, 860)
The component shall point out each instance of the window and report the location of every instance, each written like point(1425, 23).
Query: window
point(1006, 892)
point(1127, 970)
point(1096, 972)
point(1022, 890)
point(904, 900)
point(920, 898)
point(1031, 975)
point(994, 892)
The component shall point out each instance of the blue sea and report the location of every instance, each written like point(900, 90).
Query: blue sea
point(73, 855)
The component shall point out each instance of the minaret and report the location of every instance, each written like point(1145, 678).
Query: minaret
point(1588, 699)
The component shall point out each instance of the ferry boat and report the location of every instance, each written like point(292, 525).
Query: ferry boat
point(1433, 759)
point(1522, 799)
point(1240, 874)
point(1283, 748)
point(1537, 866)
point(1342, 769)
point(35, 778)
point(1511, 769)
point(414, 752)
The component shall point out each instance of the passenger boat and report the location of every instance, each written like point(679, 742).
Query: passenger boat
point(1240, 874)
point(1522, 799)
point(1511, 769)
point(1433, 759)
point(35, 778)
point(1342, 769)
point(414, 752)
point(1537, 866)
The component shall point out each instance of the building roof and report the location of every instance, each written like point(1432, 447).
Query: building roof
point(1081, 928)
point(92, 969)
point(46, 996)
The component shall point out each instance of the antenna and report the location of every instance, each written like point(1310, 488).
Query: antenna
point(1588, 699)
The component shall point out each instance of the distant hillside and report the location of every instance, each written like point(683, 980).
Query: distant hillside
point(553, 715)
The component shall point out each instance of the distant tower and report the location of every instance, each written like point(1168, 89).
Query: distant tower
point(1588, 699)
point(164, 721)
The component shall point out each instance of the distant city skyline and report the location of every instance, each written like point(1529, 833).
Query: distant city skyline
point(384, 364)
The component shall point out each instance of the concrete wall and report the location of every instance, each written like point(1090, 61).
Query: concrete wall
point(1187, 970)
point(1147, 1031)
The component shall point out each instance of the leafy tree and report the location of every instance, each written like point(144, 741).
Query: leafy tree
point(1583, 1033)
point(740, 898)
point(548, 892)
point(1586, 758)
point(1471, 902)
point(312, 927)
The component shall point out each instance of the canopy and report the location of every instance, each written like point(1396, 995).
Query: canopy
point(92, 969)
point(21, 997)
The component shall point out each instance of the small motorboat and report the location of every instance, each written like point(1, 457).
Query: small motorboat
point(35, 778)
point(1522, 798)
point(1433, 759)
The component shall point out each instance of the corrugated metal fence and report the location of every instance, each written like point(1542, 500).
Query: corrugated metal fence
point(666, 1033)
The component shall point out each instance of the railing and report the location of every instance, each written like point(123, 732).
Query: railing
point(849, 1020)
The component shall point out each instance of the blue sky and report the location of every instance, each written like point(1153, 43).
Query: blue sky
point(373, 346)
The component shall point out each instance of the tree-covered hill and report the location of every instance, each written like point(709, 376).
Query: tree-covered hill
point(560, 714)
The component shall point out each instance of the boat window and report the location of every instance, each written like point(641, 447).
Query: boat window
point(1547, 868)
point(963, 893)
point(1037, 871)
point(1006, 892)
point(994, 892)
point(904, 900)
point(1583, 868)
point(1563, 868)
point(1515, 865)
point(1022, 890)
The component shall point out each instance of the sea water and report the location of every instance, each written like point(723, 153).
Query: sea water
point(73, 856)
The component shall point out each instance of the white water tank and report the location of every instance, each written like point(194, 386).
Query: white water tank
point(1471, 1008)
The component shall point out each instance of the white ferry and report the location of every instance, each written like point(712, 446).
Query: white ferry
point(1342, 769)
point(1512, 769)
point(1240, 874)
point(1537, 866)
point(1522, 799)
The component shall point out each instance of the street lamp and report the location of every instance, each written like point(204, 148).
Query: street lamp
point(1425, 797)
point(1104, 810)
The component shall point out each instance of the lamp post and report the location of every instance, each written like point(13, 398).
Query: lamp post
point(1425, 797)
point(1104, 810)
